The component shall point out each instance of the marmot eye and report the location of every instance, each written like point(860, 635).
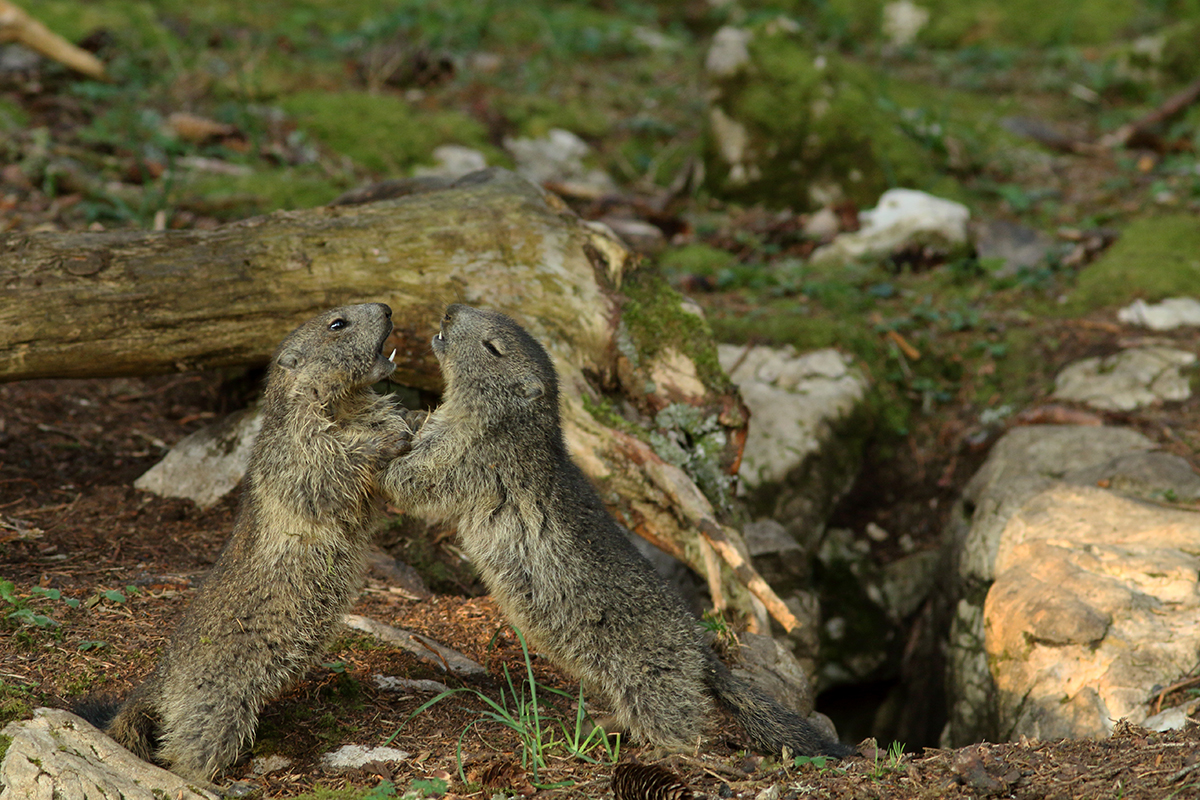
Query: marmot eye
point(492, 348)
point(338, 324)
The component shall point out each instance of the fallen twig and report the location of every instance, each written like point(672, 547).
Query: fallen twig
point(1172, 106)
point(17, 26)
point(716, 537)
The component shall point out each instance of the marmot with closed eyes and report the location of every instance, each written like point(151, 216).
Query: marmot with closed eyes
point(492, 459)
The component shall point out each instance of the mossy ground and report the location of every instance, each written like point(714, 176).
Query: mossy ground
point(1155, 258)
point(955, 349)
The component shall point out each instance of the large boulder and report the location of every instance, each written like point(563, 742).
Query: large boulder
point(1096, 602)
point(1026, 462)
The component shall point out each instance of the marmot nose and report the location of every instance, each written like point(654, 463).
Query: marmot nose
point(387, 310)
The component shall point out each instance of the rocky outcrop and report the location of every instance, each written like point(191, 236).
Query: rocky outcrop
point(807, 428)
point(1095, 604)
point(58, 756)
point(1031, 474)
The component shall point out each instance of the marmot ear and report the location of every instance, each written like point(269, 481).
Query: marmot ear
point(532, 388)
point(288, 359)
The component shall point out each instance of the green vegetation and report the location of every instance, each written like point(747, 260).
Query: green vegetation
point(16, 702)
point(538, 733)
point(380, 132)
point(1155, 258)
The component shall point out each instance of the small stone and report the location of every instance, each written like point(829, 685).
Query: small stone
point(1172, 719)
point(823, 225)
point(389, 683)
point(453, 161)
point(642, 237)
point(770, 793)
point(353, 756)
point(1127, 380)
point(1173, 313)
point(903, 218)
point(876, 533)
point(902, 21)
point(1018, 246)
point(205, 466)
point(265, 765)
point(349, 757)
point(558, 158)
point(767, 536)
point(728, 52)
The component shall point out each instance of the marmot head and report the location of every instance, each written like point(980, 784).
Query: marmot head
point(494, 368)
point(334, 354)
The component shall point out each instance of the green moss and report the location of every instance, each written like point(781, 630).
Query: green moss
point(383, 133)
point(957, 23)
point(12, 116)
point(1031, 22)
point(696, 258)
point(16, 702)
point(264, 190)
point(298, 20)
point(1180, 56)
point(655, 319)
point(812, 121)
point(1155, 258)
point(534, 115)
point(385, 789)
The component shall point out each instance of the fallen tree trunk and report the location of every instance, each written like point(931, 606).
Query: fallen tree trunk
point(133, 303)
point(136, 303)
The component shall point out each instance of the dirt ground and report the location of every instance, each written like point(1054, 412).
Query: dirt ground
point(70, 521)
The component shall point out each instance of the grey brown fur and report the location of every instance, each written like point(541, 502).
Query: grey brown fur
point(492, 459)
point(294, 561)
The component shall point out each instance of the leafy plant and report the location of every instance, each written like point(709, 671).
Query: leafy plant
point(427, 787)
point(20, 611)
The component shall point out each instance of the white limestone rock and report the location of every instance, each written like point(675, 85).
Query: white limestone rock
point(58, 756)
point(1133, 378)
point(803, 446)
point(1175, 312)
point(903, 218)
point(205, 466)
point(558, 157)
point(354, 756)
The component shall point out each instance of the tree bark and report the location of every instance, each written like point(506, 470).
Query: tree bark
point(134, 303)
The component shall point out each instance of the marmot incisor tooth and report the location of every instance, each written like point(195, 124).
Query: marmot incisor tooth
point(492, 458)
point(294, 561)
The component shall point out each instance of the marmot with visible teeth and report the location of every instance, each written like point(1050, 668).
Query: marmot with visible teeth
point(492, 458)
point(294, 561)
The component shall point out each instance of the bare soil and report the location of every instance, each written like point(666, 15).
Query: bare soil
point(69, 520)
